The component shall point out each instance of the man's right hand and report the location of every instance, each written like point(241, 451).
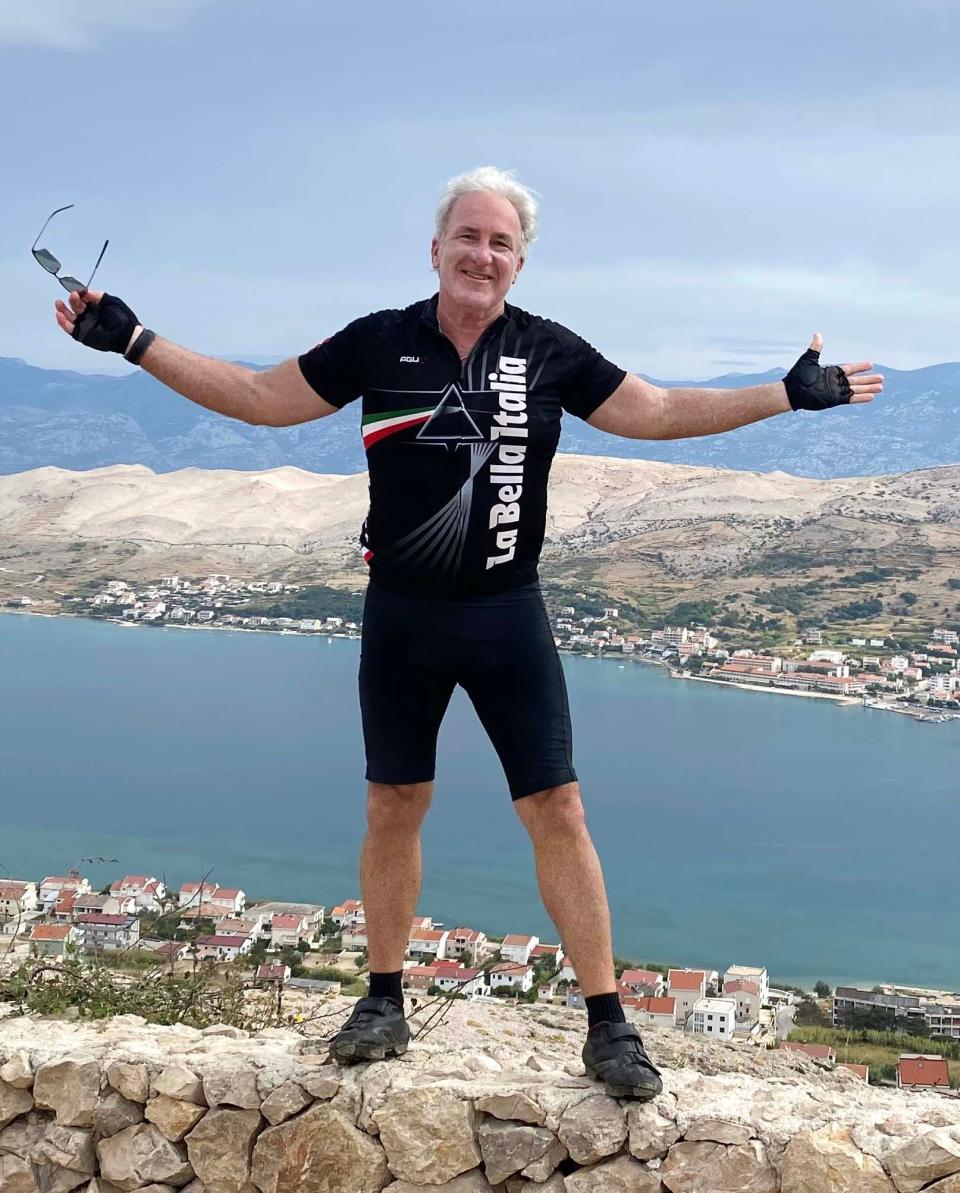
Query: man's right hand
point(98, 320)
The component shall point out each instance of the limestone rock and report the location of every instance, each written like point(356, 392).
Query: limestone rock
point(829, 1159)
point(320, 1151)
point(517, 1106)
point(131, 1081)
point(713, 1168)
point(66, 1147)
point(950, 1185)
point(99, 1185)
point(927, 1158)
point(14, 1101)
point(17, 1071)
point(51, 1178)
point(231, 1083)
point(23, 1133)
point(593, 1129)
point(220, 1147)
point(622, 1175)
point(543, 1168)
point(173, 1117)
point(177, 1081)
point(225, 1029)
point(285, 1101)
point(140, 1155)
point(16, 1175)
point(554, 1185)
point(428, 1135)
point(509, 1147)
point(651, 1133)
point(70, 1087)
point(114, 1112)
point(322, 1082)
point(275, 1072)
point(468, 1182)
point(718, 1130)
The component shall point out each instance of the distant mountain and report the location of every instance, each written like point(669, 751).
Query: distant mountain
point(80, 421)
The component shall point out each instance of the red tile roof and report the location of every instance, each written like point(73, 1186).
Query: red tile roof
point(654, 1006)
point(639, 977)
point(682, 979)
point(740, 984)
point(103, 917)
point(12, 889)
point(51, 931)
point(862, 1071)
point(287, 921)
point(517, 940)
point(225, 941)
point(431, 934)
point(916, 1069)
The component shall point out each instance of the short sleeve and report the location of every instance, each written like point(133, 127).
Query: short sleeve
point(334, 368)
point(590, 378)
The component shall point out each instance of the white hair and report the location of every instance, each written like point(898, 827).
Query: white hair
point(496, 182)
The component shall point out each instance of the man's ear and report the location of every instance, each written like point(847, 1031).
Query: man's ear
point(520, 264)
point(434, 253)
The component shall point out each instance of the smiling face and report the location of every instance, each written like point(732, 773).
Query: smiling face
point(479, 254)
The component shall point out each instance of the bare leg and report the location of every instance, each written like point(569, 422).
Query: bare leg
point(390, 869)
point(571, 882)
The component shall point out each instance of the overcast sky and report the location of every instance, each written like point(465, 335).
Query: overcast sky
point(717, 181)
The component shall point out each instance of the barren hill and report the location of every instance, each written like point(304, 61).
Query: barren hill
point(647, 533)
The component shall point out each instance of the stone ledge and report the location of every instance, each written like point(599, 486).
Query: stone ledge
point(495, 1101)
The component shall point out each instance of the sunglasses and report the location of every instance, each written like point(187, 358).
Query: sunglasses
point(52, 265)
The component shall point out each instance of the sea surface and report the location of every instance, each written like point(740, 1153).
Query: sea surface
point(816, 839)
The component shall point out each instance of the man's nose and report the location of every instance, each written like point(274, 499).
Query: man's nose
point(482, 254)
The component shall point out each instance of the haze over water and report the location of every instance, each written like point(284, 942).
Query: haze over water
point(820, 841)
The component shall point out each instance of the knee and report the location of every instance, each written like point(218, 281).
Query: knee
point(558, 810)
point(397, 808)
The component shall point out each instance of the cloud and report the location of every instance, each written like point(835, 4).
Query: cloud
point(67, 25)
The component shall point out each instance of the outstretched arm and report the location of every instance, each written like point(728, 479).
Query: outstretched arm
point(277, 397)
point(639, 410)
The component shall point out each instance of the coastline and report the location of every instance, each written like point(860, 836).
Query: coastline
point(917, 713)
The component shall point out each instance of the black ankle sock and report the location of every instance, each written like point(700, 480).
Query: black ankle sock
point(604, 1008)
point(387, 985)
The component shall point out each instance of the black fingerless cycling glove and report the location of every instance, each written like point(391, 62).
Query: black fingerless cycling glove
point(810, 387)
point(106, 325)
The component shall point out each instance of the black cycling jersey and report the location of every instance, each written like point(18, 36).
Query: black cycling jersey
point(458, 452)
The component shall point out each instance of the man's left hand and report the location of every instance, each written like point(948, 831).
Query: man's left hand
point(810, 386)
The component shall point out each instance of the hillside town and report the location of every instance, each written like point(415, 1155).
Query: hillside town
point(63, 915)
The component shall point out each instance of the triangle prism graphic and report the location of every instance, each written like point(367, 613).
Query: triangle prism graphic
point(450, 421)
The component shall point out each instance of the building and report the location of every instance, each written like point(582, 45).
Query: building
point(466, 944)
point(916, 1072)
point(419, 977)
point(221, 948)
point(451, 976)
point(518, 948)
point(271, 974)
point(746, 995)
point(862, 1071)
point(289, 930)
point(750, 973)
point(100, 933)
point(50, 940)
point(110, 904)
point(54, 886)
point(714, 1017)
point(16, 900)
point(641, 982)
point(425, 943)
point(686, 987)
point(350, 910)
point(940, 1010)
point(651, 1012)
point(509, 973)
point(148, 892)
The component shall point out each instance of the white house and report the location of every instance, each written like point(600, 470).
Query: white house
point(714, 1017)
point(16, 898)
point(221, 948)
point(54, 886)
point(746, 995)
point(460, 978)
point(428, 942)
point(350, 910)
point(509, 973)
point(147, 891)
point(651, 1012)
point(290, 930)
point(354, 936)
point(686, 986)
point(751, 973)
point(467, 944)
point(518, 948)
point(643, 982)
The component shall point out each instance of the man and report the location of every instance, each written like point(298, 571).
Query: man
point(462, 399)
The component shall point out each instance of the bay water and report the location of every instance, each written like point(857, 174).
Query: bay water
point(734, 827)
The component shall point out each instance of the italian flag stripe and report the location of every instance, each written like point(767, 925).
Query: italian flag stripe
point(378, 427)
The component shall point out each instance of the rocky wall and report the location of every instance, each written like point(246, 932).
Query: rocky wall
point(502, 1108)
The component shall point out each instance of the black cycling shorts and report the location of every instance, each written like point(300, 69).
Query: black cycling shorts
point(499, 648)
